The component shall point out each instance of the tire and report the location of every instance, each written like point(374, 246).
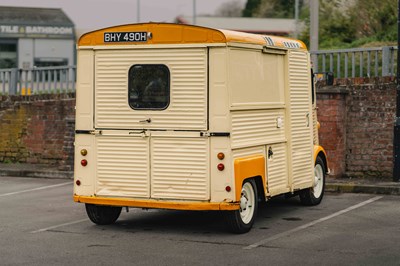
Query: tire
point(102, 215)
point(241, 221)
point(313, 196)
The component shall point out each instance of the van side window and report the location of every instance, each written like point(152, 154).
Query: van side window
point(149, 87)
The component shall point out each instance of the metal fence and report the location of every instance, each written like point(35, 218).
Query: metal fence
point(343, 63)
point(356, 62)
point(38, 80)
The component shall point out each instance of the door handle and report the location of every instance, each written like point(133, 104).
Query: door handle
point(142, 133)
point(270, 153)
point(148, 120)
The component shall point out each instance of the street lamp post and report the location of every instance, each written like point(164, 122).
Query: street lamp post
point(314, 25)
point(296, 19)
point(138, 11)
point(194, 12)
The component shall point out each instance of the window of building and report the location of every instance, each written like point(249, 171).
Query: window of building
point(8, 54)
point(149, 87)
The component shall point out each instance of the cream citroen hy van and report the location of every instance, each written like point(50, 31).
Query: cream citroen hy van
point(183, 117)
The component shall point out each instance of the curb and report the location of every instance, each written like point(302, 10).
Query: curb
point(362, 188)
point(38, 174)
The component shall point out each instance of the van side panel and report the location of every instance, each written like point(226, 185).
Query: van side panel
point(219, 121)
point(301, 121)
point(85, 175)
point(257, 127)
point(277, 169)
point(219, 116)
point(258, 112)
point(256, 79)
point(84, 90)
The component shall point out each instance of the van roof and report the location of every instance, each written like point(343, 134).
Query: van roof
point(169, 33)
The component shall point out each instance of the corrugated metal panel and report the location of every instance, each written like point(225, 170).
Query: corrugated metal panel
point(188, 99)
point(250, 128)
point(300, 108)
point(240, 153)
point(123, 166)
point(180, 168)
point(277, 176)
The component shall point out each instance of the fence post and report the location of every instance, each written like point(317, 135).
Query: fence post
point(13, 82)
point(385, 61)
point(314, 61)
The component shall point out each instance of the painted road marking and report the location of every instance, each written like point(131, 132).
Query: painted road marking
point(70, 223)
point(34, 189)
point(302, 227)
point(59, 225)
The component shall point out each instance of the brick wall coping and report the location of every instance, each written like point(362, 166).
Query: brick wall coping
point(332, 90)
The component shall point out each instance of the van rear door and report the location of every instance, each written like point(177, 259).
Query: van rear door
point(150, 108)
point(118, 70)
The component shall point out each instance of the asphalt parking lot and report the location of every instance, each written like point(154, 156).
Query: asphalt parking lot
point(41, 225)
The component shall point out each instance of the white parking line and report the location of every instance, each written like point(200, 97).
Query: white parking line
point(59, 225)
point(35, 189)
point(80, 221)
point(283, 234)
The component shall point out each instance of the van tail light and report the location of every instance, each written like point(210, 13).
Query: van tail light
point(84, 162)
point(84, 152)
point(221, 166)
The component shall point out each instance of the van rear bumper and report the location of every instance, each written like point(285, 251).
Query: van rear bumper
point(156, 204)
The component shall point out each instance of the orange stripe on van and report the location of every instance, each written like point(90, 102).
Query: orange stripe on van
point(155, 204)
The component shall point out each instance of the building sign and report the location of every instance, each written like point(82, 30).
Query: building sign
point(7, 31)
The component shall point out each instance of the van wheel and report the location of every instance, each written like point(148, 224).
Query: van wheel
point(313, 196)
point(241, 221)
point(102, 215)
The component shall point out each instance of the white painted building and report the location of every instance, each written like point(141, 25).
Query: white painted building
point(35, 37)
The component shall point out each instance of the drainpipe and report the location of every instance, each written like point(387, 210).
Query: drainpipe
point(396, 139)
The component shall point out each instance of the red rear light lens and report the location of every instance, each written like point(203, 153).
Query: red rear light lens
point(83, 162)
point(228, 189)
point(221, 166)
point(78, 183)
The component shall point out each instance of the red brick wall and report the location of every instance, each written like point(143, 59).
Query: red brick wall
point(357, 119)
point(331, 104)
point(38, 130)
